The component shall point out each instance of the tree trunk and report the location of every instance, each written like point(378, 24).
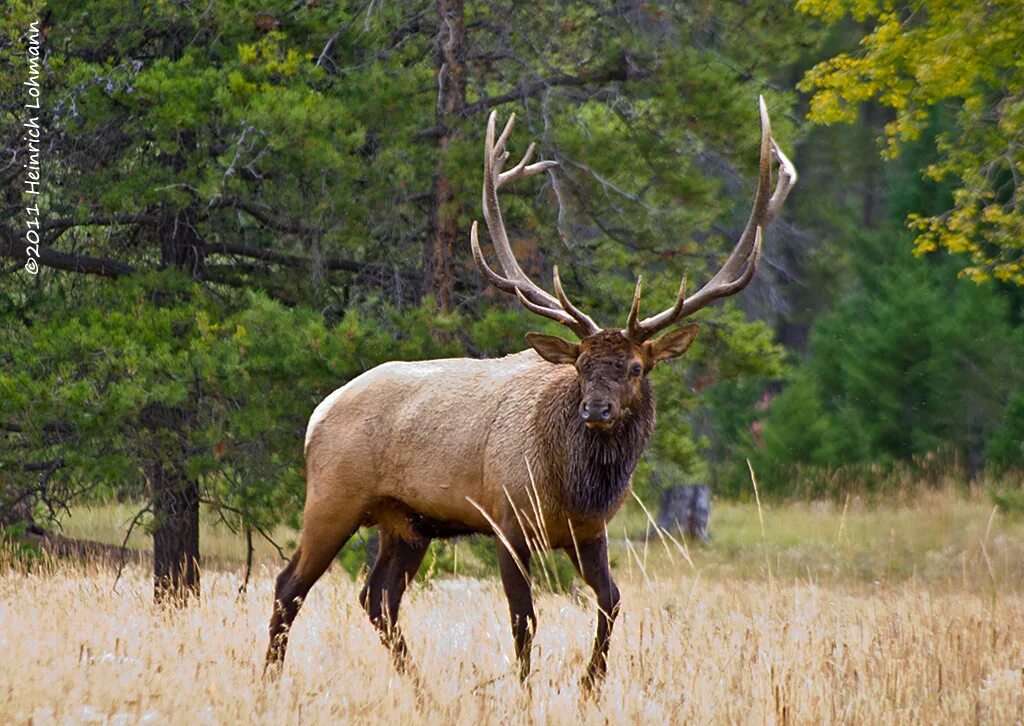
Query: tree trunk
point(180, 244)
point(451, 100)
point(175, 502)
point(174, 495)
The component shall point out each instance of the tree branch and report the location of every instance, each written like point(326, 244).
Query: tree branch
point(14, 248)
point(246, 520)
point(58, 227)
point(124, 544)
point(262, 214)
point(48, 466)
point(280, 258)
point(531, 88)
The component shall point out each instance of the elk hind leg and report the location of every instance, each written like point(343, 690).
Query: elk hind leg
point(322, 537)
point(397, 563)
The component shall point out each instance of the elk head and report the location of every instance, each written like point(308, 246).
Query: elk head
point(612, 364)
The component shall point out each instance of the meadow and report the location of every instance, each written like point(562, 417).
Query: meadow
point(896, 611)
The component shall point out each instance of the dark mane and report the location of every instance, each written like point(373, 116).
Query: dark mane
point(591, 469)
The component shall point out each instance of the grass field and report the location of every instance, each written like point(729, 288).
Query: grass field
point(896, 612)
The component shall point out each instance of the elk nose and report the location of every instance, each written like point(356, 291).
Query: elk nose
point(596, 411)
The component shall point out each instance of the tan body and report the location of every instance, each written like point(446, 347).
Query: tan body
point(457, 446)
point(446, 440)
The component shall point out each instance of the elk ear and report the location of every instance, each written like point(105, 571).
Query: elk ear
point(553, 349)
point(671, 344)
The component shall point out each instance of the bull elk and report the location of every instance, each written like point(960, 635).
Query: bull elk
point(536, 448)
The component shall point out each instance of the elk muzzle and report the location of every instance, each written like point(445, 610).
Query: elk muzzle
point(598, 412)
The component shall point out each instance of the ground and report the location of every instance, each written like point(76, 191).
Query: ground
point(894, 612)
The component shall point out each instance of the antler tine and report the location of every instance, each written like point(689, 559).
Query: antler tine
point(739, 268)
point(749, 269)
point(499, 148)
point(556, 315)
point(514, 278)
point(581, 317)
point(517, 170)
point(496, 225)
point(634, 309)
point(787, 178)
point(499, 155)
point(743, 246)
point(524, 168)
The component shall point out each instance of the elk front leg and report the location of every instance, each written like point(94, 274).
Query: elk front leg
point(514, 566)
point(593, 565)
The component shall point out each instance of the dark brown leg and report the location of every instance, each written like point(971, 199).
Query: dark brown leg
point(520, 601)
point(593, 565)
point(317, 549)
point(396, 566)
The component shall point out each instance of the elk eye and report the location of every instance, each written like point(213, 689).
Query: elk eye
point(636, 369)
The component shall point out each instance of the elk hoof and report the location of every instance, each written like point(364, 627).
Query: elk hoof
point(590, 684)
point(272, 669)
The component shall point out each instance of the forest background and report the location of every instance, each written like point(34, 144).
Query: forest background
point(239, 206)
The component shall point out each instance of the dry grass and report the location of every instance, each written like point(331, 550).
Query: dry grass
point(75, 650)
point(854, 619)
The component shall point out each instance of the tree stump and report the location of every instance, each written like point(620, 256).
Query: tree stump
point(686, 508)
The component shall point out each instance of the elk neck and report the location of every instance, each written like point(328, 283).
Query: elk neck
point(591, 470)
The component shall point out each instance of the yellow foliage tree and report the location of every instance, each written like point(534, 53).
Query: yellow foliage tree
point(961, 54)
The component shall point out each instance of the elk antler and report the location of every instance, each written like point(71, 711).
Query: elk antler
point(514, 280)
point(742, 263)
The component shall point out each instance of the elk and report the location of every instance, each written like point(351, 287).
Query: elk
point(536, 449)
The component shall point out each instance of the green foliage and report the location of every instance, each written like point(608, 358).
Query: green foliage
point(1005, 449)
point(899, 369)
point(309, 132)
point(15, 550)
point(921, 54)
point(1009, 501)
point(728, 350)
point(907, 370)
point(353, 556)
point(245, 377)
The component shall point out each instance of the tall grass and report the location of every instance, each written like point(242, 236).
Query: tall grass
point(686, 649)
point(932, 539)
point(852, 612)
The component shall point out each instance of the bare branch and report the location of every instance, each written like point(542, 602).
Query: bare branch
point(248, 559)
point(246, 518)
point(124, 544)
point(281, 258)
point(45, 466)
